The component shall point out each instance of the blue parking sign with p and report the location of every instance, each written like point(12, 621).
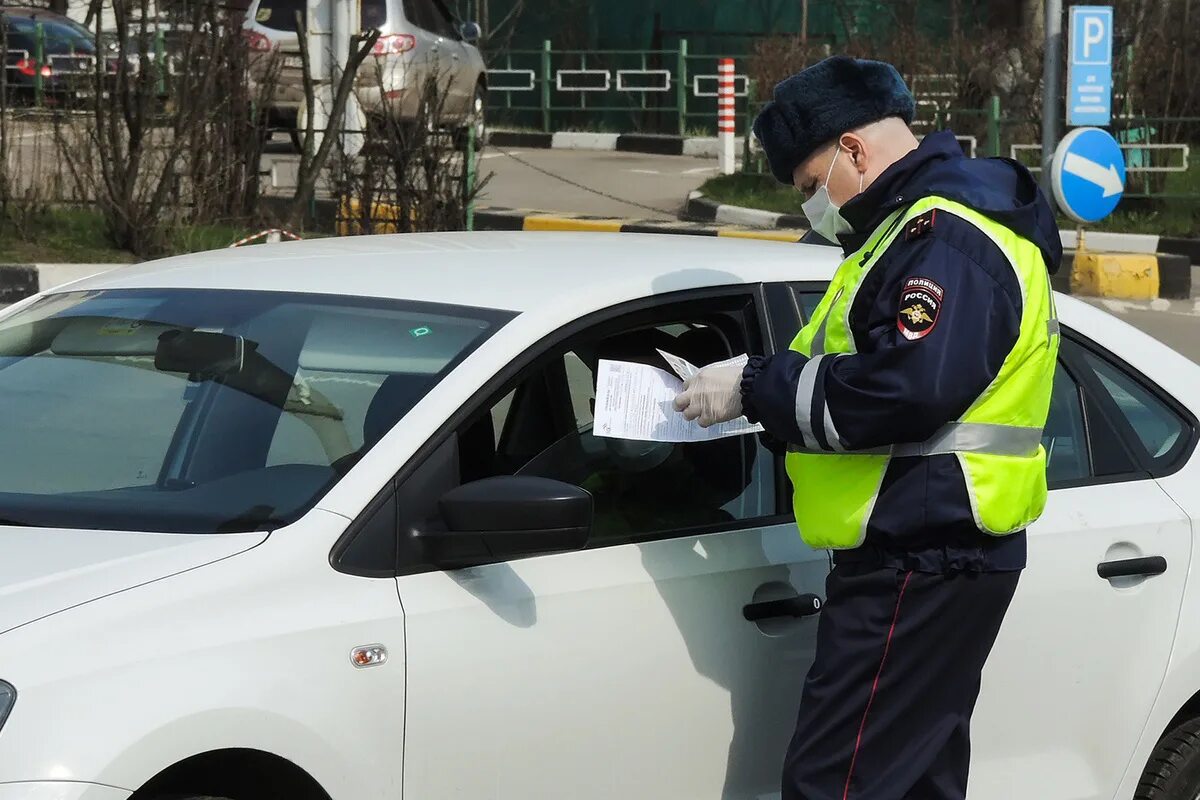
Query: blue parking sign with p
point(1089, 66)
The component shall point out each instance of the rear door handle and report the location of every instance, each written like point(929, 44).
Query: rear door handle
point(803, 605)
point(1132, 567)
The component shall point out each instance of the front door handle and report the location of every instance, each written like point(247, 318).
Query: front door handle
point(1132, 567)
point(803, 605)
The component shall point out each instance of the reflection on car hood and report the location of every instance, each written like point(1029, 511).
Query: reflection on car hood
point(46, 570)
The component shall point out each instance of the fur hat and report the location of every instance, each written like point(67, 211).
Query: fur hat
point(824, 101)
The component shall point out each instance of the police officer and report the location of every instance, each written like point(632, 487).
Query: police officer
point(911, 406)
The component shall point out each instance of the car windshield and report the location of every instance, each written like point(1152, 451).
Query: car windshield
point(204, 411)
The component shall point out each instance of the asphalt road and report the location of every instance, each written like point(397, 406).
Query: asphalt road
point(597, 183)
point(1174, 322)
point(589, 182)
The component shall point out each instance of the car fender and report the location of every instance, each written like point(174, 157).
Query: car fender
point(252, 652)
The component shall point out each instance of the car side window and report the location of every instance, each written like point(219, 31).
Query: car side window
point(415, 13)
point(425, 15)
point(1068, 457)
point(808, 302)
point(443, 20)
point(1161, 432)
point(543, 428)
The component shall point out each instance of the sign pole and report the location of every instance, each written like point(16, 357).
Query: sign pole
point(1051, 97)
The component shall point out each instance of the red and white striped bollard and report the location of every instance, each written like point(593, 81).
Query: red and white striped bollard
point(726, 116)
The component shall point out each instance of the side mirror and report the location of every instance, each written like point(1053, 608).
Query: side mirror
point(497, 519)
point(470, 32)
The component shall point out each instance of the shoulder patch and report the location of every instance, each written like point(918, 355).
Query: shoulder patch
point(920, 305)
point(919, 226)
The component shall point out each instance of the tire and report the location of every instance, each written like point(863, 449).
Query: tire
point(1173, 772)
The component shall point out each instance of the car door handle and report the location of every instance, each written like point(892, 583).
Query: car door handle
point(803, 605)
point(1131, 567)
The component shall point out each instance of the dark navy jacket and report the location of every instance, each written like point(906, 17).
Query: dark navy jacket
point(897, 389)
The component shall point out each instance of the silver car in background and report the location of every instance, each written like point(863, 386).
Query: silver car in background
point(419, 39)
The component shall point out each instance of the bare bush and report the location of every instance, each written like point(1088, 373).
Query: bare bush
point(166, 143)
point(412, 173)
point(315, 150)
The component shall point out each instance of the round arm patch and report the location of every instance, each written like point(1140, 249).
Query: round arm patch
point(920, 305)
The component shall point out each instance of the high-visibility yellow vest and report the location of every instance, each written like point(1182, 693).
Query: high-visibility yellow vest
point(997, 441)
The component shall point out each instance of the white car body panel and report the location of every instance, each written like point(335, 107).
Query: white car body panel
point(45, 570)
point(600, 664)
point(253, 652)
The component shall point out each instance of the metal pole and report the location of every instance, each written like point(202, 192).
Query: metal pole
point(681, 86)
point(993, 127)
point(39, 58)
point(469, 183)
point(1051, 94)
point(160, 51)
point(546, 78)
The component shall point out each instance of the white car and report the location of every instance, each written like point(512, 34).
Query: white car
point(327, 520)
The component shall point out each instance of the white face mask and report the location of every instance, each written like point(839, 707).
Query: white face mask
point(825, 217)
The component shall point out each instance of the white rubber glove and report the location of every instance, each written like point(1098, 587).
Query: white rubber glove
point(712, 395)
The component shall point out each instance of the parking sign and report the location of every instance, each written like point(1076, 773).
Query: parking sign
point(1089, 71)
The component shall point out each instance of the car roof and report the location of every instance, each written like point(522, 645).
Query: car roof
point(515, 271)
point(26, 11)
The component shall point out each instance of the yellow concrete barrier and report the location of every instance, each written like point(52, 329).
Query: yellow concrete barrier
point(1130, 276)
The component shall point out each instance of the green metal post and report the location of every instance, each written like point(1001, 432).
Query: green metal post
point(39, 56)
point(993, 127)
point(681, 86)
point(583, 95)
point(508, 95)
point(159, 65)
point(546, 77)
point(642, 95)
point(470, 179)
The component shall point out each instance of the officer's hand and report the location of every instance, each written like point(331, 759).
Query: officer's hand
point(712, 395)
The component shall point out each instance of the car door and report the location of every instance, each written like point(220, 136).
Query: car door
point(1079, 659)
point(627, 669)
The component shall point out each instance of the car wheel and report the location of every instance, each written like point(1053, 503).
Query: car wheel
point(1174, 769)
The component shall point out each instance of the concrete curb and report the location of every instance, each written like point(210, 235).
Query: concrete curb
point(700, 208)
point(655, 144)
point(510, 219)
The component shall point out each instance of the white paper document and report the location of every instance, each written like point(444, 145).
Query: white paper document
point(636, 401)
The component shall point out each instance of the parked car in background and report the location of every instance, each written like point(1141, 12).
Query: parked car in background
point(66, 62)
point(419, 39)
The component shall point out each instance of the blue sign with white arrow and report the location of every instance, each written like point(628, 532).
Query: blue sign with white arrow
point(1088, 174)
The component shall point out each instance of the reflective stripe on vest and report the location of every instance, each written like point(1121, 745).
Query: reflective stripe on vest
point(997, 441)
point(957, 437)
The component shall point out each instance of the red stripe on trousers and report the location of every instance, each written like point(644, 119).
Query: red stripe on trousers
point(875, 685)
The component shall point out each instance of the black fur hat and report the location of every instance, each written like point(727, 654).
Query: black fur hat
point(824, 101)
